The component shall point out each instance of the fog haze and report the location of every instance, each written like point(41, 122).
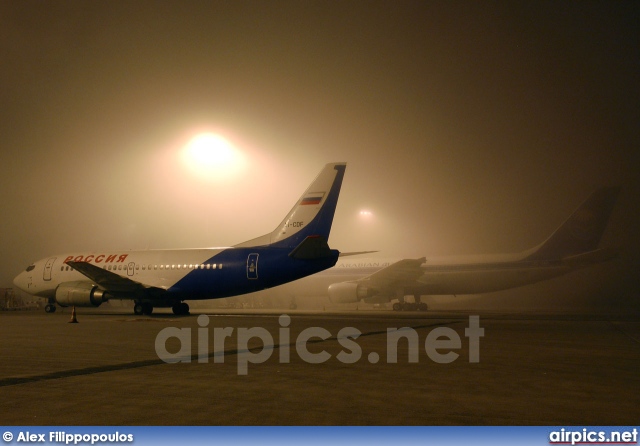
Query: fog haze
point(468, 128)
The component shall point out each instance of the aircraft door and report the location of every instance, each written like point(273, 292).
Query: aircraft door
point(130, 268)
point(252, 266)
point(48, 267)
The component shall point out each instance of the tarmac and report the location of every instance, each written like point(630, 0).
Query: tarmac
point(524, 368)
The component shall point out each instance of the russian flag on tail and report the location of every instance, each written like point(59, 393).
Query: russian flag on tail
point(312, 198)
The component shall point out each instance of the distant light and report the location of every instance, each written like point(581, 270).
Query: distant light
point(366, 214)
point(212, 157)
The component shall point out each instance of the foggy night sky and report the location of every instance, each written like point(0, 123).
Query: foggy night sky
point(469, 127)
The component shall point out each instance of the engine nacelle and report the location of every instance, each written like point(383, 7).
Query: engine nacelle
point(348, 292)
point(80, 294)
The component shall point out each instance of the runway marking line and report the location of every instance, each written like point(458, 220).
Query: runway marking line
point(14, 381)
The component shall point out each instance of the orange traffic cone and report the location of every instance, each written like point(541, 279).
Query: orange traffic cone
point(73, 316)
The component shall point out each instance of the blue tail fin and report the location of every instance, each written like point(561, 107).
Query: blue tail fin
point(312, 215)
point(583, 230)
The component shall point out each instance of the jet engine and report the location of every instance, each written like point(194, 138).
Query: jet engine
point(348, 292)
point(80, 294)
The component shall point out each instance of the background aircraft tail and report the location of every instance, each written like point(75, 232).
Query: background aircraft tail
point(582, 231)
point(312, 215)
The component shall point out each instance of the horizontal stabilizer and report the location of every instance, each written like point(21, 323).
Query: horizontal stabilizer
point(313, 247)
point(347, 254)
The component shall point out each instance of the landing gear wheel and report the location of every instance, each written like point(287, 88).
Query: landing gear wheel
point(147, 309)
point(397, 307)
point(180, 309)
point(406, 306)
point(422, 306)
point(50, 308)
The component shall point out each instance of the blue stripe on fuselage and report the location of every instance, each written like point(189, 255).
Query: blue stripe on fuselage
point(275, 267)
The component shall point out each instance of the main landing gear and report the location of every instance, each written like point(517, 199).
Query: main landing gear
point(143, 308)
point(180, 309)
point(401, 305)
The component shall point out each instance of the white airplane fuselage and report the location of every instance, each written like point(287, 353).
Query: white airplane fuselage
point(196, 273)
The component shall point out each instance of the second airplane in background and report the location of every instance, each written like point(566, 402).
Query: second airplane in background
point(573, 245)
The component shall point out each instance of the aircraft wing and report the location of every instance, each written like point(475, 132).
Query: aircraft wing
point(106, 279)
point(404, 271)
point(591, 257)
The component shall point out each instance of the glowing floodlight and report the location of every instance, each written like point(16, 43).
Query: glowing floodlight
point(212, 157)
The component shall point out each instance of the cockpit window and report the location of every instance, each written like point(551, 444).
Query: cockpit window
point(31, 268)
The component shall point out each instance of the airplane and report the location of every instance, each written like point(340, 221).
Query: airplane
point(572, 246)
point(297, 248)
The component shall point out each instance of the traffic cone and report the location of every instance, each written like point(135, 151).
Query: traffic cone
point(73, 316)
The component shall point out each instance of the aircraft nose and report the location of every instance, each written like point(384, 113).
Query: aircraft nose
point(20, 281)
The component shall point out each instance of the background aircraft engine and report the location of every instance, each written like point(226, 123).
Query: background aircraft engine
point(348, 292)
point(80, 294)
